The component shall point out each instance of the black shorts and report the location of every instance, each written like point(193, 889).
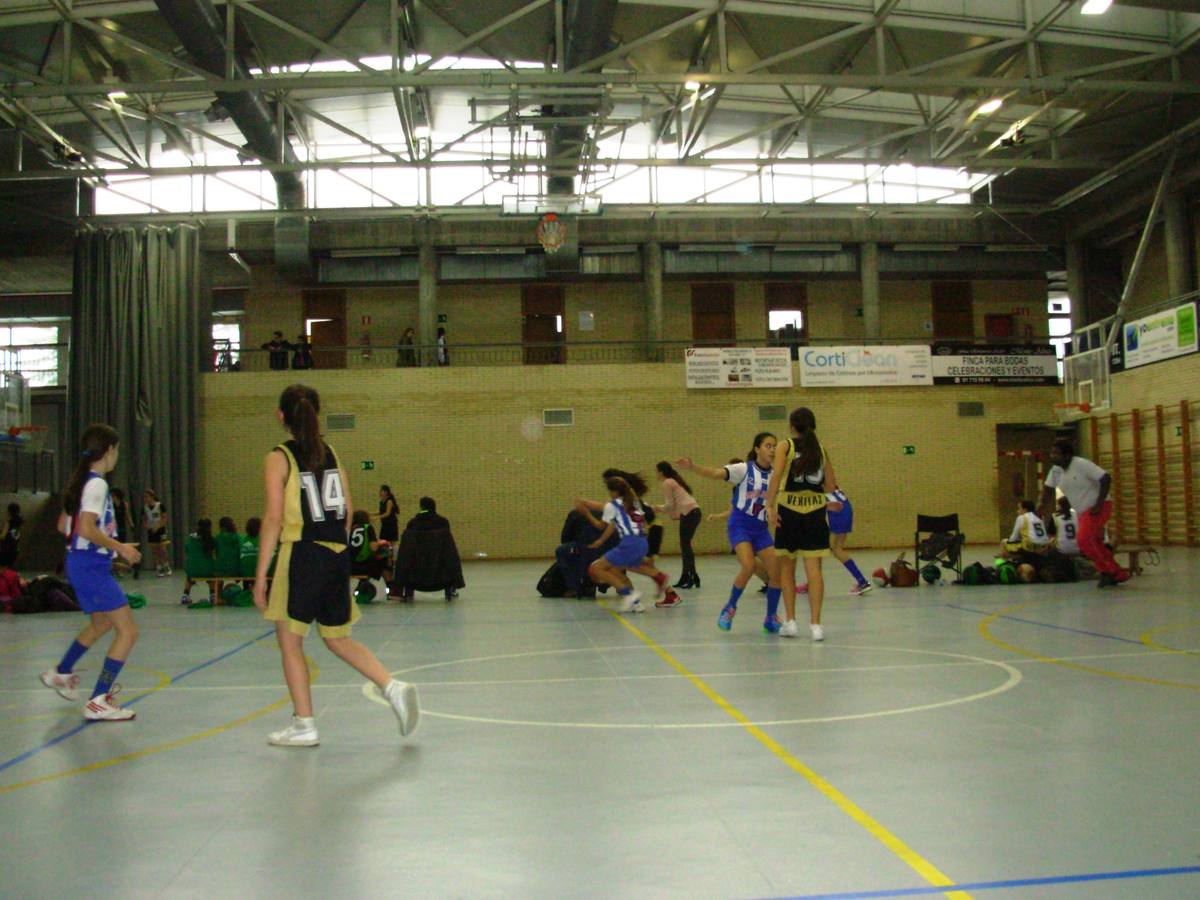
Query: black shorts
point(312, 582)
point(155, 535)
point(802, 534)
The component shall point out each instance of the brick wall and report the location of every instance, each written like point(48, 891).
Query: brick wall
point(472, 438)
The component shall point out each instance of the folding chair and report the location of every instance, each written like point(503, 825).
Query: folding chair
point(942, 544)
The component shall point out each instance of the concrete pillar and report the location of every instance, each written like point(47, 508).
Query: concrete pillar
point(1181, 271)
point(652, 274)
point(868, 265)
point(1077, 284)
point(427, 302)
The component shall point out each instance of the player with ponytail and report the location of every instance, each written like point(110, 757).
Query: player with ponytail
point(624, 515)
point(91, 548)
point(307, 515)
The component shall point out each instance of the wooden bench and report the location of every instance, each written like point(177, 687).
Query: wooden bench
point(1133, 555)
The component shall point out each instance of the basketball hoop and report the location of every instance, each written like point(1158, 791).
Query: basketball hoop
point(1071, 412)
point(31, 436)
point(551, 232)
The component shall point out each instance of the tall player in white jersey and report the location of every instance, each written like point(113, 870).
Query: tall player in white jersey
point(747, 529)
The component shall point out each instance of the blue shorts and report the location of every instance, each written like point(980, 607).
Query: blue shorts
point(842, 522)
point(629, 553)
point(95, 588)
point(742, 528)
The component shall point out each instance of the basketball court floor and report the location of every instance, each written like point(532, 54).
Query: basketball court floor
point(1008, 742)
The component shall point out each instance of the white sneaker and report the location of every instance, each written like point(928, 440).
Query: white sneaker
point(167, 571)
point(789, 629)
point(301, 733)
point(64, 684)
point(632, 603)
point(406, 706)
point(104, 708)
point(818, 633)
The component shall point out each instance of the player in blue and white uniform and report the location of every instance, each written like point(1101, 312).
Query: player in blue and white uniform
point(623, 515)
point(91, 547)
point(749, 536)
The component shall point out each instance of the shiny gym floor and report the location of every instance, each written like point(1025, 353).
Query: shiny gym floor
point(1010, 741)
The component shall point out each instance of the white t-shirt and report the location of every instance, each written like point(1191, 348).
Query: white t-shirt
point(629, 523)
point(95, 499)
point(1064, 534)
point(750, 488)
point(1080, 481)
point(1029, 530)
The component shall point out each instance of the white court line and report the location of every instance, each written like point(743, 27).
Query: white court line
point(1014, 678)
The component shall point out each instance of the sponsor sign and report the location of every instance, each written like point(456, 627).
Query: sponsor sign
point(959, 363)
point(1161, 336)
point(738, 367)
point(865, 366)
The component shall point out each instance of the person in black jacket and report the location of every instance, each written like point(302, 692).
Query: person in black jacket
point(574, 555)
point(420, 571)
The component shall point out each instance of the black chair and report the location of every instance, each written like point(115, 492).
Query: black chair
point(938, 540)
point(428, 561)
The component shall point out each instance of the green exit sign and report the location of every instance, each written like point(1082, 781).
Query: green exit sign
point(910, 450)
point(368, 465)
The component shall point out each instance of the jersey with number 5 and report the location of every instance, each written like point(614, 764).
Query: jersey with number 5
point(314, 503)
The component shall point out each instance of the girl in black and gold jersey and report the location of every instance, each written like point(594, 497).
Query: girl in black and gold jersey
point(307, 515)
point(797, 497)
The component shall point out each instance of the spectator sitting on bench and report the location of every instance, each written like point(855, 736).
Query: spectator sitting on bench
point(369, 560)
point(248, 556)
point(229, 549)
point(199, 560)
point(1029, 541)
point(427, 561)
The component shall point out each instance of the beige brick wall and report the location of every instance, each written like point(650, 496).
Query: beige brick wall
point(472, 438)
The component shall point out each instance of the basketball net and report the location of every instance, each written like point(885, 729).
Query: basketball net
point(551, 232)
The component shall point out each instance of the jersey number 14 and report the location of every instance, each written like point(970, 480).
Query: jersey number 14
point(330, 497)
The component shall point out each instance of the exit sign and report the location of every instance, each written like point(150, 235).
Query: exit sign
point(910, 450)
point(368, 465)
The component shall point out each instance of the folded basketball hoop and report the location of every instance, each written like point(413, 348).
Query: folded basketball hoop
point(551, 232)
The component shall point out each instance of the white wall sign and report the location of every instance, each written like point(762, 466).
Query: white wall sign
point(865, 366)
point(738, 367)
point(1161, 336)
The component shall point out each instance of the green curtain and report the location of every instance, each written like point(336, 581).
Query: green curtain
point(137, 328)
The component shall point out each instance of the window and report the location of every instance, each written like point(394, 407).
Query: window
point(34, 352)
point(782, 318)
point(227, 344)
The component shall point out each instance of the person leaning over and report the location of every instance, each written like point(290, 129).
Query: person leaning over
point(1086, 487)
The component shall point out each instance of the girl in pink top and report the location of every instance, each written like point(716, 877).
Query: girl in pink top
point(679, 502)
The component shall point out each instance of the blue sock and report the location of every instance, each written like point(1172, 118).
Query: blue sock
point(853, 570)
point(624, 592)
point(773, 602)
point(74, 652)
point(734, 595)
point(112, 668)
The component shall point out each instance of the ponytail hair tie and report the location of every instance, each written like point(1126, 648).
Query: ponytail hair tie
point(85, 453)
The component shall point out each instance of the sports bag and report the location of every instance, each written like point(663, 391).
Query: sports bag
point(903, 574)
point(552, 583)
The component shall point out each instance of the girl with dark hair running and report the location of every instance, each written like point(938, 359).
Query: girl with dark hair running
point(624, 515)
point(91, 547)
point(747, 525)
point(665, 596)
point(801, 489)
point(681, 505)
point(307, 514)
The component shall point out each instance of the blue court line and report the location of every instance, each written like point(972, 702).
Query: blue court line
point(20, 758)
point(1111, 637)
point(1012, 883)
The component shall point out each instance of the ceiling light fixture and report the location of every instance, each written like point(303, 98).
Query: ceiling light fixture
point(986, 109)
point(1095, 7)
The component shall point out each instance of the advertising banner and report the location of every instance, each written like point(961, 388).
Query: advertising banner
point(959, 363)
point(738, 367)
point(900, 366)
point(1161, 336)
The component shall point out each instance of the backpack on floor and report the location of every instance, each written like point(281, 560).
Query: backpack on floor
point(903, 574)
point(552, 583)
point(975, 574)
point(1057, 567)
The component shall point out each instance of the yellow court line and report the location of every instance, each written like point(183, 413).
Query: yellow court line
point(314, 672)
point(910, 857)
point(1149, 641)
point(984, 629)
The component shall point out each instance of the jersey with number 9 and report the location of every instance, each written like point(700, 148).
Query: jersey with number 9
point(314, 507)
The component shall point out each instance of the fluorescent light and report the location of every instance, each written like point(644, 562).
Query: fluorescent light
point(1095, 7)
point(691, 85)
point(986, 109)
point(422, 131)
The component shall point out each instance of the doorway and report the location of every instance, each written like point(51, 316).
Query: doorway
point(1023, 459)
point(712, 314)
point(543, 329)
point(953, 313)
point(325, 325)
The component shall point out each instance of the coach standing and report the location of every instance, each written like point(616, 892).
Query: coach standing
point(1086, 487)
